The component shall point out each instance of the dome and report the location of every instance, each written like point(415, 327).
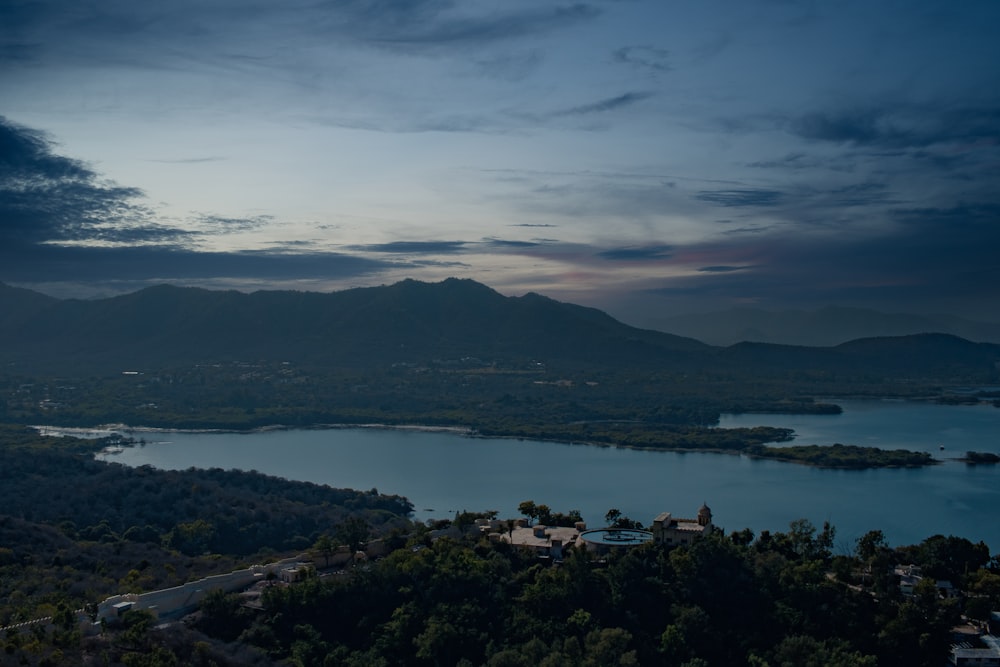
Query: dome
point(704, 515)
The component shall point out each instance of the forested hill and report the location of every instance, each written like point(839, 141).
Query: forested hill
point(412, 323)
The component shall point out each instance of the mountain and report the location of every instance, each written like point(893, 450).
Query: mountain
point(824, 327)
point(415, 322)
point(919, 355)
point(406, 322)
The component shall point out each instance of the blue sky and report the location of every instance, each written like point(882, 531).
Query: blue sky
point(645, 157)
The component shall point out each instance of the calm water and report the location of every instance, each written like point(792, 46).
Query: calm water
point(444, 472)
point(891, 424)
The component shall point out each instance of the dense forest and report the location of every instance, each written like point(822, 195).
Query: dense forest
point(74, 530)
point(737, 599)
point(774, 599)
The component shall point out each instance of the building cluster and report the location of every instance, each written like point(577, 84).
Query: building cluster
point(554, 541)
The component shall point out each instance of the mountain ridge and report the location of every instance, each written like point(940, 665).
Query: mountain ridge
point(826, 326)
point(361, 325)
point(412, 322)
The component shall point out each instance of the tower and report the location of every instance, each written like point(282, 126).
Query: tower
point(704, 515)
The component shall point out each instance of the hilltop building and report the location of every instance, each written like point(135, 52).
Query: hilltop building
point(553, 541)
point(670, 530)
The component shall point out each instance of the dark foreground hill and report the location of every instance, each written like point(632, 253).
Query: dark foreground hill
point(415, 323)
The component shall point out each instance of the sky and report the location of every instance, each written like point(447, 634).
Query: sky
point(646, 157)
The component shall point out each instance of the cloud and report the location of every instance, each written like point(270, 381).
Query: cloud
point(607, 104)
point(940, 259)
point(48, 198)
point(901, 127)
point(721, 268)
point(644, 57)
point(190, 160)
point(151, 264)
point(641, 253)
point(502, 243)
point(857, 127)
point(431, 23)
point(61, 222)
point(741, 198)
point(413, 247)
point(799, 161)
point(218, 224)
point(342, 48)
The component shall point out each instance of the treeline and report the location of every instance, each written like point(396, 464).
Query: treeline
point(474, 394)
point(981, 457)
point(844, 456)
point(647, 436)
point(92, 517)
point(768, 600)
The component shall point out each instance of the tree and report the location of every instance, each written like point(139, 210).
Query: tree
point(543, 514)
point(528, 509)
point(612, 515)
point(325, 546)
point(353, 532)
point(951, 557)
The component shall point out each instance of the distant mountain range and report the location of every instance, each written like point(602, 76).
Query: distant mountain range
point(410, 322)
point(824, 327)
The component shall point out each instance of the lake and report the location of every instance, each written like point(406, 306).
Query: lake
point(442, 472)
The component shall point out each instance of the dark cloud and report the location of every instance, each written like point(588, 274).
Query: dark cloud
point(635, 254)
point(45, 197)
point(144, 264)
point(930, 260)
point(60, 222)
point(857, 127)
point(502, 243)
point(644, 57)
point(608, 104)
point(747, 230)
point(739, 198)
point(413, 247)
point(721, 269)
point(901, 127)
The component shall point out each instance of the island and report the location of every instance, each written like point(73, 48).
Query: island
point(976, 458)
point(844, 456)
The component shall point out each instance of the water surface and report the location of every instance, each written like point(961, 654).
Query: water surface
point(442, 473)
